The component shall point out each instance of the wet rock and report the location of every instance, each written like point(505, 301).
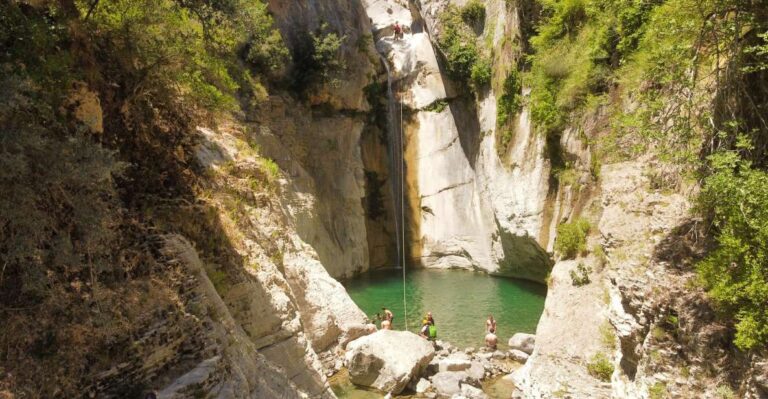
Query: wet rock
point(387, 360)
point(523, 342)
point(518, 355)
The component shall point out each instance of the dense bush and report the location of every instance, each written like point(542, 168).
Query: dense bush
point(572, 238)
point(481, 73)
point(473, 12)
point(735, 273)
point(326, 54)
point(465, 63)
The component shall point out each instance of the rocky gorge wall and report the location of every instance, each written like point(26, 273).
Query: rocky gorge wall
point(467, 207)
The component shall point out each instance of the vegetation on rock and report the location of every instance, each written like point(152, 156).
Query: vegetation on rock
point(572, 238)
point(685, 80)
point(465, 62)
point(85, 208)
point(600, 367)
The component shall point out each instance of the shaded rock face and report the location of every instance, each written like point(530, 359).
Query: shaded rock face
point(388, 360)
point(467, 206)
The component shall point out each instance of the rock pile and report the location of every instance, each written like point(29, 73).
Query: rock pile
point(390, 361)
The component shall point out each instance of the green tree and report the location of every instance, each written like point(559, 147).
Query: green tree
point(735, 273)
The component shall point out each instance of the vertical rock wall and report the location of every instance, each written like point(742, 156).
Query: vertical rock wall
point(467, 207)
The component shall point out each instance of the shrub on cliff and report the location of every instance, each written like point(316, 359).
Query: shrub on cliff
point(473, 12)
point(600, 367)
point(457, 42)
point(735, 198)
point(572, 238)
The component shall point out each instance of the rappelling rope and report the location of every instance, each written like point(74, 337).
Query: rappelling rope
point(402, 211)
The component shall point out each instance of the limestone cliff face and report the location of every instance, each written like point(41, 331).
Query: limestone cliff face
point(318, 141)
point(467, 206)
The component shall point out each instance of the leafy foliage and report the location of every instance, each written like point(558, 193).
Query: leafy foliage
point(736, 272)
point(510, 101)
point(473, 12)
point(326, 54)
point(572, 238)
point(465, 63)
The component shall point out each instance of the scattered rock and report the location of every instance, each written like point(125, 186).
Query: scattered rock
point(476, 371)
point(423, 386)
point(447, 383)
point(499, 355)
point(387, 360)
point(470, 392)
point(518, 355)
point(523, 342)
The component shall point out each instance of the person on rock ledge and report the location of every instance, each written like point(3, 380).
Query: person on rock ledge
point(398, 30)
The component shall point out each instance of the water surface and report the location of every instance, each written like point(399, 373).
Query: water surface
point(460, 302)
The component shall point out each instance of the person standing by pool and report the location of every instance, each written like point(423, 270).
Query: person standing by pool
point(490, 325)
point(490, 329)
point(386, 324)
point(491, 340)
point(430, 319)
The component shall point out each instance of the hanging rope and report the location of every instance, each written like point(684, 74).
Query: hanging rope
point(402, 211)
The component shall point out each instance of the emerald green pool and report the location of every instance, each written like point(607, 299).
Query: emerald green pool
point(460, 302)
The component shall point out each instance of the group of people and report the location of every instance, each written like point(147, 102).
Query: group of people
point(429, 331)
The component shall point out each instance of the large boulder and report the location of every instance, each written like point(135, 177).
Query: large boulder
point(522, 342)
point(387, 360)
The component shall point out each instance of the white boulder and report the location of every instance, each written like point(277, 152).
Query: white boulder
point(387, 360)
point(423, 386)
point(523, 342)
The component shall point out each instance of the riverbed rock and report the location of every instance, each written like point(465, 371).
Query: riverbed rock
point(523, 342)
point(455, 362)
point(448, 383)
point(387, 360)
point(423, 386)
point(518, 355)
point(470, 392)
point(476, 371)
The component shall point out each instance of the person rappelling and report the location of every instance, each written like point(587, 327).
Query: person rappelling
point(398, 30)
